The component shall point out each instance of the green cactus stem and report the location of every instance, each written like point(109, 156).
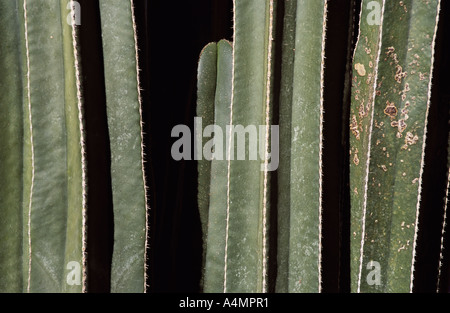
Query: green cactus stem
point(123, 97)
point(393, 69)
point(42, 172)
point(301, 135)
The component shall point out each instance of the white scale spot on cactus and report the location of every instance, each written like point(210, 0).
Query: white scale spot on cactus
point(360, 69)
point(296, 131)
point(354, 127)
point(410, 139)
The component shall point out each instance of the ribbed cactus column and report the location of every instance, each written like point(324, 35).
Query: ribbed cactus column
point(42, 178)
point(247, 210)
point(365, 67)
point(301, 124)
point(236, 233)
point(393, 68)
point(215, 75)
point(123, 97)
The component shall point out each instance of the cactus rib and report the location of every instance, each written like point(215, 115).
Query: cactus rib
point(49, 174)
point(216, 223)
point(300, 177)
point(245, 252)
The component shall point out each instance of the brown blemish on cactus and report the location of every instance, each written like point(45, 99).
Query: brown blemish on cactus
point(410, 140)
point(362, 112)
point(356, 159)
point(390, 110)
point(399, 75)
point(401, 125)
point(354, 127)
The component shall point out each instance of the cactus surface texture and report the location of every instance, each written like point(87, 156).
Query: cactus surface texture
point(312, 152)
point(390, 102)
point(43, 170)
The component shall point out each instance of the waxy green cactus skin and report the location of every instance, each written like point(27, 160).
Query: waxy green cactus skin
point(393, 70)
point(43, 226)
point(123, 102)
point(43, 172)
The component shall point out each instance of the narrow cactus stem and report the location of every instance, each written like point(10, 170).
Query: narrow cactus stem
point(206, 86)
point(217, 205)
point(124, 109)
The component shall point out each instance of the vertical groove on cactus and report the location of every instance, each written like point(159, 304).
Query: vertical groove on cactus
point(227, 228)
point(389, 146)
point(128, 272)
point(284, 173)
point(268, 109)
point(31, 144)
